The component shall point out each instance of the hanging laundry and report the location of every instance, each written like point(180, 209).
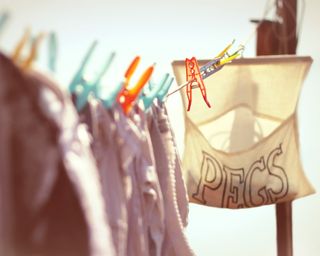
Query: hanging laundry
point(114, 180)
point(50, 195)
point(245, 152)
point(171, 182)
point(89, 181)
point(136, 182)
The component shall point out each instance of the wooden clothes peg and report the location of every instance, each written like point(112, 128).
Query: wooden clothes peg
point(16, 56)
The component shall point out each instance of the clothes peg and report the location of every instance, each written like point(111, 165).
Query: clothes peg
point(114, 92)
point(164, 90)
point(33, 52)
point(78, 78)
point(207, 70)
point(3, 19)
point(147, 88)
point(22, 42)
point(151, 85)
point(94, 87)
point(82, 95)
point(225, 50)
point(193, 76)
point(53, 52)
point(154, 90)
point(27, 63)
point(127, 96)
point(131, 69)
point(219, 61)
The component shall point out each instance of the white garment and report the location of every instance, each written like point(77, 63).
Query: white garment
point(171, 182)
point(106, 153)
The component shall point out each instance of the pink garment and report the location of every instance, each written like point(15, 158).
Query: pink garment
point(49, 184)
point(172, 185)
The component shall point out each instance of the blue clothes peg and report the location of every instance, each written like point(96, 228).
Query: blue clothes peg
point(78, 78)
point(164, 90)
point(53, 52)
point(155, 89)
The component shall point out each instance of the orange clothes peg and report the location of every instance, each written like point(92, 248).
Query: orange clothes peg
point(33, 52)
point(20, 45)
point(132, 67)
point(16, 56)
point(127, 97)
point(194, 77)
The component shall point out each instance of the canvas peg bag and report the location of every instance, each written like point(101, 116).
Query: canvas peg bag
point(244, 150)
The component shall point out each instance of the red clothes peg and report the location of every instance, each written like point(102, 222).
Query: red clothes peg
point(194, 79)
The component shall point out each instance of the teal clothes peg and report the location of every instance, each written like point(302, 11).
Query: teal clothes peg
point(94, 87)
point(147, 89)
point(149, 97)
point(4, 17)
point(53, 52)
point(97, 84)
point(151, 84)
point(164, 90)
point(110, 99)
point(78, 78)
point(82, 98)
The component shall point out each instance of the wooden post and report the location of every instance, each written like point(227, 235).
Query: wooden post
point(273, 38)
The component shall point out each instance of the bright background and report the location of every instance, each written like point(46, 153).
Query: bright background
point(163, 31)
